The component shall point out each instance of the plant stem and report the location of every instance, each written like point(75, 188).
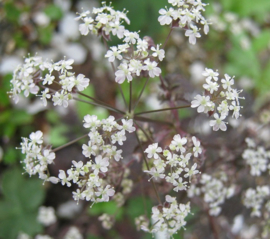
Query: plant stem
point(145, 160)
point(144, 119)
point(130, 96)
point(167, 38)
point(101, 103)
point(69, 143)
point(172, 108)
point(137, 101)
point(103, 106)
point(147, 136)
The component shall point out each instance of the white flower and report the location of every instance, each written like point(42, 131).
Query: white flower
point(210, 74)
point(73, 233)
point(218, 123)
point(61, 98)
point(81, 82)
point(236, 110)
point(46, 215)
point(227, 82)
point(36, 137)
point(203, 103)
point(130, 37)
point(48, 79)
point(63, 178)
point(166, 16)
point(119, 137)
point(196, 149)
point(47, 157)
point(153, 150)
point(123, 73)
point(160, 53)
point(113, 53)
point(128, 125)
point(192, 34)
point(192, 171)
point(64, 65)
point(101, 164)
point(89, 149)
point(45, 96)
point(86, 26)
point(151, 67)
point(91, 121)
point(177, 143)
point(211, 86)
point(155, 174)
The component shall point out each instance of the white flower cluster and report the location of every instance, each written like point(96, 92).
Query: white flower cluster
point(219, 98)
point(186, 14)
point(90, 177)
point(137, 56)
point(214, 190)
point(103, 20)
point(36, 73)
point(107, 220)
point(256, 157)
point(169, 217)
point(254, 199)
point(72, 233)
point(46, 215)
point(37, 157)
point(176, 160)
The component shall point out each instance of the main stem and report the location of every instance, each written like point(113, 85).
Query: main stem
point(137, 101)
point(130, 96)
point(69, 143)
point(165, 109)
point(103, 106)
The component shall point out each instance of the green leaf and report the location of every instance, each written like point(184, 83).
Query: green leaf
point(52, 117)
point(136, 208)
point(261, 42)
point(10, 155)
point(45, 34)
point(56, 135)
point(4, 88)
point(20, 117)
point(53, 12)
point(18, 209)
point(12, 12)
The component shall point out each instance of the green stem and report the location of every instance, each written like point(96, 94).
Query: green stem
point(69, 143)
point(167, 38)
point(172, 108)
point(147, 136)
point(130, 96)
point(95, 100)
point(137, 101)
point(103, 106)
point(144, 119)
